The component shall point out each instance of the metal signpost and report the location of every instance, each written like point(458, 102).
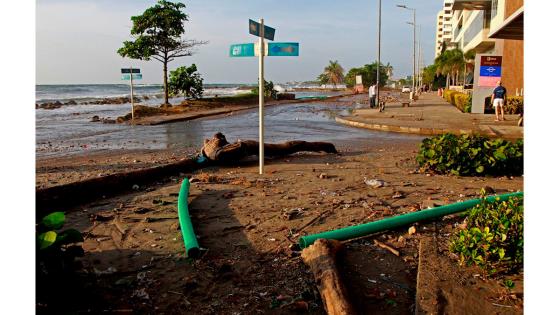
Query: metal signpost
point(131, 74)
point(261, 49)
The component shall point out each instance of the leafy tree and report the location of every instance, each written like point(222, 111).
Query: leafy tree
point(429, 75)
point(333, 72)
point(269, 90)
point(157, 34)
point(323, 78)
point(186, 81)
point(368, 73)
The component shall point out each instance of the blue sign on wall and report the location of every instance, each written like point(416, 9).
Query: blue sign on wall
point(490, 71)
point(283, 49)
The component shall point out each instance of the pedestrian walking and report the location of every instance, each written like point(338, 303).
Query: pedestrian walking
point(498, 100)
point(372, 95)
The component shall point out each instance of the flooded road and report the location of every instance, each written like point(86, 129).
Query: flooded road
point(304, 121)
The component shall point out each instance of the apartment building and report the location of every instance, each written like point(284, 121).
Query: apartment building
point(492, 27)
point(444, 25)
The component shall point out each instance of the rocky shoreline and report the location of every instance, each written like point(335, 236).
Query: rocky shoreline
point(103, 101)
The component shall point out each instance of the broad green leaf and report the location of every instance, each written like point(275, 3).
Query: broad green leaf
point(501, 253)
point(69, 236)
point(480, 169)
point(46, 239)
point(54, 220)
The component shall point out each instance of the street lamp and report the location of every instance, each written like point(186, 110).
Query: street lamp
point(413, 47)
point(378, 55)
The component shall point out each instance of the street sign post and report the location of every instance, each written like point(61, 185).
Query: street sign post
point(131, 74)
point(261, 49)
point(255, 28)
point(282, 49)
point(243, 50)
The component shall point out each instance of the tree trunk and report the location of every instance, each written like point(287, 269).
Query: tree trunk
point(165, 87)
point(321, 258)
point(219, 150)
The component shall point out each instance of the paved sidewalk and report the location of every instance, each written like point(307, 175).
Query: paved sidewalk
point(432, 115)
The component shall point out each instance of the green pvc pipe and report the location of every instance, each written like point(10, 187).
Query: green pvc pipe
point(189, 238)
point(398, 221)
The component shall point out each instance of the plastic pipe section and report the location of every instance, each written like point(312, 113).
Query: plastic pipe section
point(191, 244)
point(398, 221)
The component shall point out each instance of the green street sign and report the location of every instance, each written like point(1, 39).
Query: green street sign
point(242, 50)
point(130, 70)
point(135, 76)
point(283, 49)
point(255, 29)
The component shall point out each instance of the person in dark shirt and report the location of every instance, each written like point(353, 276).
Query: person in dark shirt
point(498, 100)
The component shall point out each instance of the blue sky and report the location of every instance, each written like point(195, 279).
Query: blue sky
point(77, 39)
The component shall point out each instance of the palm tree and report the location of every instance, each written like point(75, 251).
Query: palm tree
point(334, 72)
point(449, 63)
point(389, 69)
point(469, 57)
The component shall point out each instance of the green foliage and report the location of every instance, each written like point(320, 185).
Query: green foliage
point(186, 81)
point(429, 74)
point(514, 105)
point(368, 73)
point(48, 236)
point(469, 155)
point(463, 102)
point(493, 238)
point(55, 253)
point(157, 34)
point(54, 220)
point(269, 90)
point(333, 74)
point(323, 78)
point(449, 96)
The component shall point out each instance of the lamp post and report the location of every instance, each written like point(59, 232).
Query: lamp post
point(413, 48)
point(378, 54)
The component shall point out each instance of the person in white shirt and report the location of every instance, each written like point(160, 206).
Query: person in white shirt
point(372, 95)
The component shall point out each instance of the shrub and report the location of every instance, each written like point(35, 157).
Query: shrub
point(55, 253)
point(187, 82)
point(469, 155)
point(463, 102)
point(448, 95)
point(493, 238)
point(514, 105)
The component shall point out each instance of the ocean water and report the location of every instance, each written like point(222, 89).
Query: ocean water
point(83, 93)
point(68, 130)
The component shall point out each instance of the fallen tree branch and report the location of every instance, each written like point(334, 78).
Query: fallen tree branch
point(321, 258)
point(220, 150)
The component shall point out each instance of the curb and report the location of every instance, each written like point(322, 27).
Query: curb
point(81, 192)
point(418, 130)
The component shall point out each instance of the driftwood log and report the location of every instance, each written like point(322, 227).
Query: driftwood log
point(321, 258)
point(220, 150)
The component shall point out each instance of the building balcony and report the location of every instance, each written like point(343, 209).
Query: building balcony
point(472, 4)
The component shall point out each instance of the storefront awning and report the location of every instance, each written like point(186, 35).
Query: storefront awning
point(472, 4)
point(511, 28)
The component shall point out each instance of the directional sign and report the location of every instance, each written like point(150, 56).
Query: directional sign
point(135, 76)
point(243, 50)
point(130, 70)
point(283, 49)
point(255, 29)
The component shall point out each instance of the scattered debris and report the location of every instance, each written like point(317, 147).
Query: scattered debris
point(411, 230)
point(290, 214)
point(387, 247)
point(375, 183)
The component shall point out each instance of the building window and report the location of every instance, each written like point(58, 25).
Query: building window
point(494, 9)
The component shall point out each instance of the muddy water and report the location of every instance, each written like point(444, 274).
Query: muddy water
point(305, 121)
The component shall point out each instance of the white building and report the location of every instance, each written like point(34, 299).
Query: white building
point(444, 24)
